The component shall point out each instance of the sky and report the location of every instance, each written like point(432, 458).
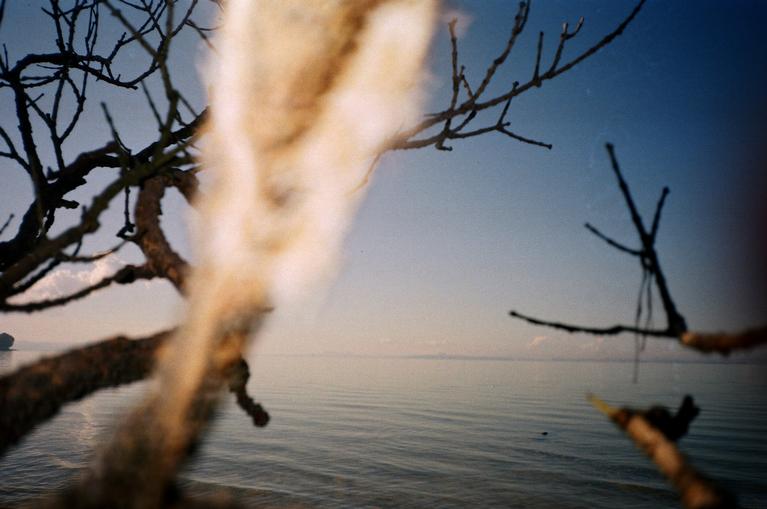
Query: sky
point(446, 243)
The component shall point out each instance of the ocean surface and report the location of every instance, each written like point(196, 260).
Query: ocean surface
point(391, 432)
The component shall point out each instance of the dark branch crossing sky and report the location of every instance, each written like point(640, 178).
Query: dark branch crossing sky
point(447, 242)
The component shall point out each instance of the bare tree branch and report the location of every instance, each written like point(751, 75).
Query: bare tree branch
point(658, 211)
point(696, 490)
point(126, 275)
point(676, 325)
point(59, 69)
point(612, 330)
point(725, 342)
point(36, 393)
point(161, 257)
point(474, 103)
point(617, 245)
point(7, 222)
point(31, 254)
point(93, 257)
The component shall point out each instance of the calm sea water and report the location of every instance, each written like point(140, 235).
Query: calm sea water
point(360, 432)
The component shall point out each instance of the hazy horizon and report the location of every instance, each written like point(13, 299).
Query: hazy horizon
point(448, 242)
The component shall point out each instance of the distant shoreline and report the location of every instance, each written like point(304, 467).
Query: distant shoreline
point(487, 358)
point(756, 360)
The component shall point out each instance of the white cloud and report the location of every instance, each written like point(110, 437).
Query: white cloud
point(537, 342)
point(66, 280)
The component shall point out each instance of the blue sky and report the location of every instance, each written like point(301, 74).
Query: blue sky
point(447, 242)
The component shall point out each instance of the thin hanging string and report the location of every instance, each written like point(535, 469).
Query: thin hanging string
point(645, 294)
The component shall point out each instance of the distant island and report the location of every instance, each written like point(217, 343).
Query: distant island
point(6, 341)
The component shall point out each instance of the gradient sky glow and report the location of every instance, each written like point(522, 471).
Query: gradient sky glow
point(447, 242)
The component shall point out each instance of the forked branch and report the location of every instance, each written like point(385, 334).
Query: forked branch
point(37, 392)
point(464, 108)
point(696, 490)
point(676, 325)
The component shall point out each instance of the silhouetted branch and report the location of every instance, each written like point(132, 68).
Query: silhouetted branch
point(613, 243)
point(35, 393)
point(125, 275)
point(148, 161)
point(12, 153)
point(55, 73)
point(613, 330)
point(33, 279)
point(89, 223)
point(140, 455)
point(238, 380)
point(150, 238)
point(520, 21)
point(523, 139)
point(676, 325)
point(649, 257)
point(7, 222)
point(91, 258)
point(658, 210)
point(127, 462)
point(475, 101)
point(565, 36)
point(696, 490)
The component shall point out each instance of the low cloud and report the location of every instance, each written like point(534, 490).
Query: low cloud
point(537, 342)
point(67, 280)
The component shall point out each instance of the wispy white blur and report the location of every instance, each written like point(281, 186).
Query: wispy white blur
point(305, 94)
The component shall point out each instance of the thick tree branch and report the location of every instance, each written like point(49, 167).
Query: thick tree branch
point(88, 224)
point(36, 393)
point(725, 342)
point(160, 256)
point(59, 67)
point(695, 489)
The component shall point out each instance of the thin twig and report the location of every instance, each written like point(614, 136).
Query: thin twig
point(409, 139)
point(613, 243)
point(676, 325)
point(6, 224)
point(126, 275)
point(613, 330)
